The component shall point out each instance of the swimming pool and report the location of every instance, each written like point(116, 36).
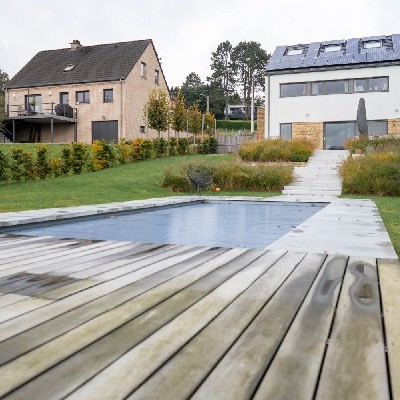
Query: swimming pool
point(248, 224)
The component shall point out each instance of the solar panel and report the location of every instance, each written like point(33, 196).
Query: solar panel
point(347, 59)
point(396, 37)
point(309, 62)
point(278, 53)
point(333, 60)
point(352, 46)
point(369, 38)
point(289, 64)
point(374, 57)
point(360, 58)
point(320, 61)
point(272, 65)
point(396, 55)
point(396, 42)
point(329, 42)
point(388, 55)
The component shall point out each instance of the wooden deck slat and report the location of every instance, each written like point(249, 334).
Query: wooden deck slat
point(20, 242)
point(190, 366)
point(41, 358)
point(24, 310)
point(300, 356)
point(355, 364)
point(165, 341)
point(240, 371)
point(182, 275)
point(389, 278)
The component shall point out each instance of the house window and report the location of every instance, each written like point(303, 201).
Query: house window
point(143, 69)
point(108, 95)
point(371, 44)
point(360, 85)
point(285, 131)
point(294, 52)
point(336, 87)
point(377, 128)
point(156, 77)
point(293, 89)
point(317, 88)
point(378, 84)
point(69, 67)
point(83, 97)
point(64, 98)
point(33, 103)
point(332, 47)
point(142, 129)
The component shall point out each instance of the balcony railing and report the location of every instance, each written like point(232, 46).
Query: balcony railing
point(26, 110)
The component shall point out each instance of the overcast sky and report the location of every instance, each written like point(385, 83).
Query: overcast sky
point(185, 32)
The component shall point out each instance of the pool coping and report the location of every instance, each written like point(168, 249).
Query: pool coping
point(351, 227)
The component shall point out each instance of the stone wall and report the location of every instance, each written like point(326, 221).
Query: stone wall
point(394, 126)
point(260, 122)
point(313, 131)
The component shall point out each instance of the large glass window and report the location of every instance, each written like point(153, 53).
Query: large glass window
point(286, 131)
point(377, 128)
point(372, 44)
point(33, 103)
point(332, 47)
point(336, 133)
point(293, 89)
point(336, 87)
point(143, 69)
point(294, 52)
point(83, 97)
point(317, 88)
point(378, 84)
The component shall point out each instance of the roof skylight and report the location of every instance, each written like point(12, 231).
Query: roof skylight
point(372, 44)
point(294, 52)
point(332, 47)
point(69, 67)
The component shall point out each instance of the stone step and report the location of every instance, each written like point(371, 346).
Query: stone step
point(294, 185)
point(313, 183)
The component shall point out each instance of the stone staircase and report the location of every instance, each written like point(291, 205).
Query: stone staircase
point(320, 177)
point(4, 138)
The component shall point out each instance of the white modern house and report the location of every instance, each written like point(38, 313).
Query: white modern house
point(313, 90)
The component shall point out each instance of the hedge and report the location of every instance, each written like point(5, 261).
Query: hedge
point(235, 125)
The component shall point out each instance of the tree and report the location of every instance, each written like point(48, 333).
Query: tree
point(209, 123)
point(157, 110)
point(192, 89)
point(249, 61)
point(179, 113)
point(223, 74)
point(4, 79)
point(194, 119)
point(362, 123)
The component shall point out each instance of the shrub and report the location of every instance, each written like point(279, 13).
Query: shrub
point(22, 165)
point(374, 174)
point(160, 147)
point(208, 146)
point(123, 152)
point(43, 162)
point(103, 154)
point(374, 144)
point(56, 167)
point(4, 165)
point(232, 176)
point(66, 160)
point(79, 157)
point(172, 146)
point(183, 145)
point(275, 150)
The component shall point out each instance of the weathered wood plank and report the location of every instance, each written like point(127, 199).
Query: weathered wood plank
point(178, 378)
point(238, 374)
point(128, 371)
point(299, 358)
point(355, 362)
point(52, 353)
point(154, 288)
point(389, 278)
point(25, 315)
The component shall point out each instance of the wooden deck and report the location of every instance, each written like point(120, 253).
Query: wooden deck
point(110, 320)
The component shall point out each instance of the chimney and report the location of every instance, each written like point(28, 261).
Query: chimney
point(76, 44)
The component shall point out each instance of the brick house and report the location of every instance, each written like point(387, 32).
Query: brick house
point(313, 90)
point(83, 93)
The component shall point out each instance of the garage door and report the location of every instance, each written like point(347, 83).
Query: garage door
point(106, 130)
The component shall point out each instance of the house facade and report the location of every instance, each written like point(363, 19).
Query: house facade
point(84, 93)
point(313, 90)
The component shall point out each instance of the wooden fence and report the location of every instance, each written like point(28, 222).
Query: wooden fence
point(231, 143)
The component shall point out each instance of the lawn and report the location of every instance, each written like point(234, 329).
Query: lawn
point(54, 149)
point(125, 182)
point(389, 209)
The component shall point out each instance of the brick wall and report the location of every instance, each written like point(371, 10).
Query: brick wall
point(127, 110)
point(313, 131)
point(260, 122)
point(394, 126)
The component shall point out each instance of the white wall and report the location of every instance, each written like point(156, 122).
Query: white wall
point(332, 107)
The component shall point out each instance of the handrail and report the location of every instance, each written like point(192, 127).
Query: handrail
point(28, 109)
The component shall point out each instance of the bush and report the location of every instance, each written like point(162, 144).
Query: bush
point(22, 165)
point(56, 167)
point(160, 147)
point(43, 162)
point(232, 176)
point(183, 145)
point(4, 165)
point(172, 146)
point(208, 146)
point(66, 160)
point(103, 154)
point(374, 144)
point(276, 150)
point(79, 157)
point(374, 174)
point(235, 125)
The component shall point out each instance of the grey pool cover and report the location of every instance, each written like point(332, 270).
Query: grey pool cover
point(236, 224)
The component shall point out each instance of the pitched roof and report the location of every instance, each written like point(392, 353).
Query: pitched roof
point(104, 62)
point(335, 53)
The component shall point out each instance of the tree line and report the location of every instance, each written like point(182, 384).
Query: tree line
point(237, 75)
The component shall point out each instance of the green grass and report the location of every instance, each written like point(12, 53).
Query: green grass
point(389, 209)
point(125, 182)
